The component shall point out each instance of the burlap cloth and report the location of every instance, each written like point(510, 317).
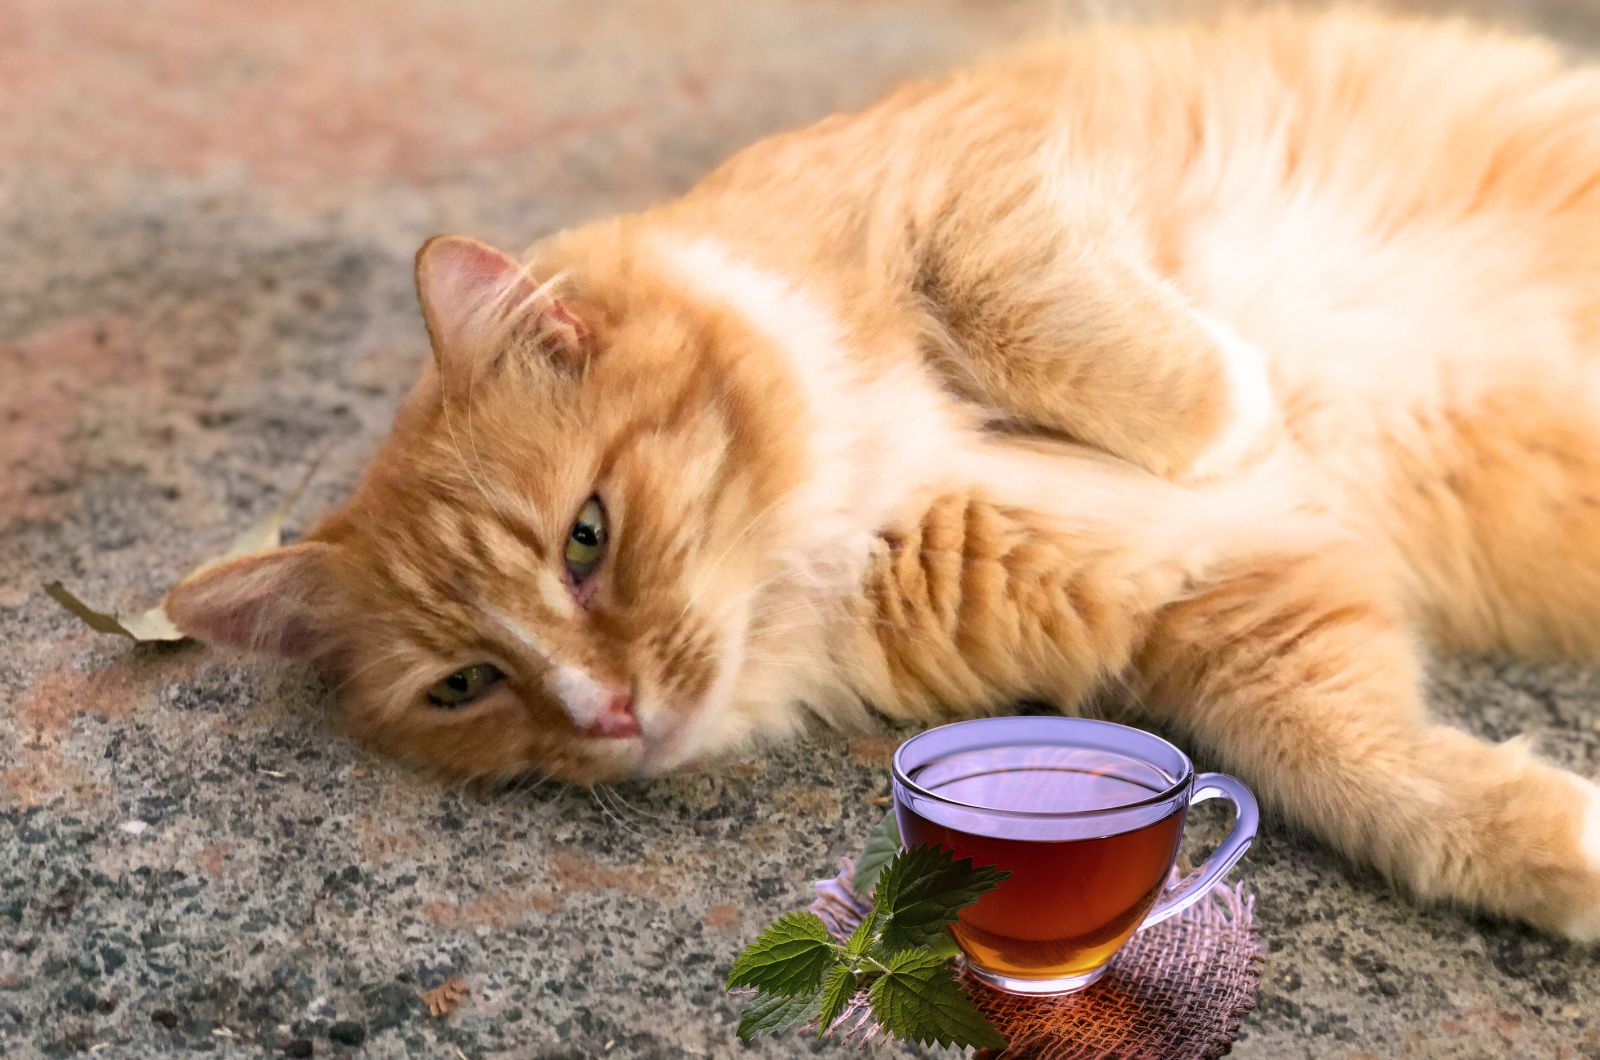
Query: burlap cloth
point(1176, 991)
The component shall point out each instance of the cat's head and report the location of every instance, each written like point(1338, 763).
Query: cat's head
point(550, 564)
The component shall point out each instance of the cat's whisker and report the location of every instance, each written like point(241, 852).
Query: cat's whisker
point(711, 572)
point(798, 617)
point(775, 643)
point(594, 793)
point(602, 794)
point(810, 610)
point(472, 438)
point(769, 654)
point(370, 664)
point(779, 607)
point(623, 801)
point(527, 782)
point(733, 604)
point(560, 795)
point(793, 629)
point(455, 444)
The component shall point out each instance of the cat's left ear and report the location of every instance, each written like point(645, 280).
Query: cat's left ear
point(475, 297)
point(274, 601)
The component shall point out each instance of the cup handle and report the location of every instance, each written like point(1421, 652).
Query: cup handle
point(1193, 887)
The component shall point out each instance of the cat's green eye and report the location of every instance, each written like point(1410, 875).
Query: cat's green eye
point(463, 686)
point(586, 543)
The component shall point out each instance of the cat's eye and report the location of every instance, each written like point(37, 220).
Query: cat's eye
point(463, 686)
point(586, 542)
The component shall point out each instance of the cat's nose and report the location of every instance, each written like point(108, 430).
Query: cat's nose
point(618, 720)
point(596, 709)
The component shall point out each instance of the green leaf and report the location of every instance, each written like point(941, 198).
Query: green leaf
point(882, 844)
point(770, 1013)
point(837, 989)
point(787, 958)
point(918, 1000)
point(921, 890)
point(860, 939)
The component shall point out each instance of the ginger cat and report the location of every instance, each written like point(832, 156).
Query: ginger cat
point(1212, 366)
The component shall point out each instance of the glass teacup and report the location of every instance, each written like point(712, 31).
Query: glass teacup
point(1087, 816)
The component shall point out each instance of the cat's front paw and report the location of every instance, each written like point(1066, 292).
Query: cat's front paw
point(1252, 420)
point(1584, 925)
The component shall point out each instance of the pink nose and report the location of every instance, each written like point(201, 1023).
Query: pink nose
point(618, 720)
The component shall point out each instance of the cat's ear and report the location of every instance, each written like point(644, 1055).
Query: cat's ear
point(474, 298)
point(267, 601)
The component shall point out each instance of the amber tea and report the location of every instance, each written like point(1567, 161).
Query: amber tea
point(1086, 816)
point(1070, 903)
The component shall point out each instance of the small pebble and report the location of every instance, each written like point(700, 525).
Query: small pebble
point(300, 1047)
point(164, 1016)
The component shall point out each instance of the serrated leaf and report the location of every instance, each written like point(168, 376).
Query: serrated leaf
point(770, 1013)
point(918, 1000)
point(838, 987)
point(860, 939)
point(882, 845)
point(921, 890)
point(787, 958)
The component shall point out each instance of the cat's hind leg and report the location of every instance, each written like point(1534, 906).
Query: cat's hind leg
point(1296, 672)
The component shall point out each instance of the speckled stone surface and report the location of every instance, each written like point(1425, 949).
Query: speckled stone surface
point(207, 214)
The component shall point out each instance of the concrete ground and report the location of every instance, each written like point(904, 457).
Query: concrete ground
point(207, 216)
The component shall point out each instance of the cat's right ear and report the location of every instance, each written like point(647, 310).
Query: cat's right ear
point(268, 601)
point(460, 281)
point(470, 291)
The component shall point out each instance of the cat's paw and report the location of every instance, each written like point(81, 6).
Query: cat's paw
point(1252, 417)
point(1585, 926)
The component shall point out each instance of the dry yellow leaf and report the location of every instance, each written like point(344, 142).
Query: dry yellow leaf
point(146, 625)
point(154, 623)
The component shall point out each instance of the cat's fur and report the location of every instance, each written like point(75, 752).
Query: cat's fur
point(848, 403)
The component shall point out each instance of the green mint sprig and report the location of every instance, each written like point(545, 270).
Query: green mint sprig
point(900, 953)
point(882, 845)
